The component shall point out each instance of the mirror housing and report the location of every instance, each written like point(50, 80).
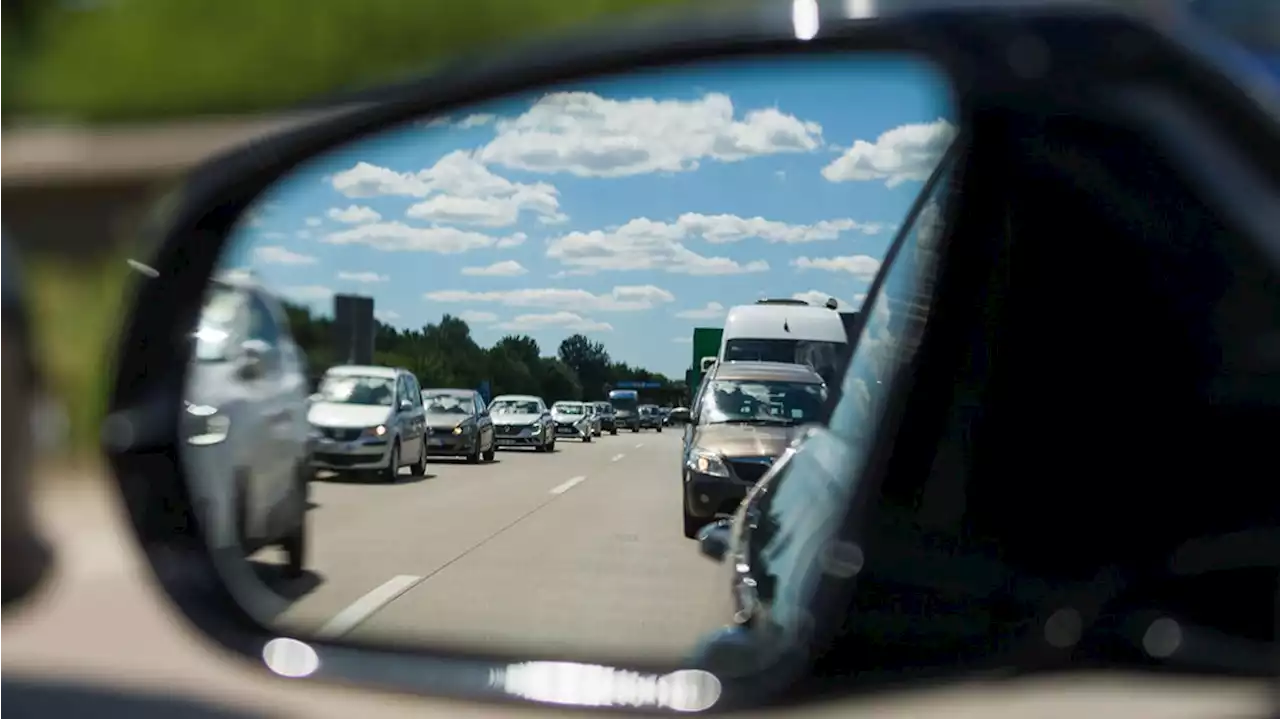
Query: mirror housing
point(713, 539)
point(254, 358)
point(406, 405)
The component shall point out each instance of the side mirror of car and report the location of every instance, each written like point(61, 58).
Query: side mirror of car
point(254, 358)
point(406, 405)
point(713, 540)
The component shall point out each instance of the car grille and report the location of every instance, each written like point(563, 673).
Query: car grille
point(340, 434)
point(508, 429)
point(751, 469)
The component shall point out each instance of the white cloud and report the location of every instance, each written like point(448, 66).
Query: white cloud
point(721, 229)
point(620, 299)
point(277, 255)
point(860, 298)
point(907, 152)
point(682, 340)
point(477, 120)
point(303, 234)
point(561, 320)
point(590, 136)
point(386, 315)
point(307, 293)
point(863, 267)
point(354, 215)
point(399, 237)
point(477, 318)
point(364, 277)
point(314, 222)
point(641, 244)
point(274, 235)
point(711, 311)
point(506, 268)
point(456, 190)
point(819, 298)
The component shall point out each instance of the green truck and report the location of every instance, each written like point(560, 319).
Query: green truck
point(706, 343)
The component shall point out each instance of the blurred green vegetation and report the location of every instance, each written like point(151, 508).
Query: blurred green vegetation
point(109, 60)
point(148, 60)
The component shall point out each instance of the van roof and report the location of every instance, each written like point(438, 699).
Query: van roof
point(766, 371)
point(798, 322)
point(361, 370)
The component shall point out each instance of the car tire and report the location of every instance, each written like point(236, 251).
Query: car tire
point(659, 430)
point(474, 456)
point(392, 471)
point(294, 544)
point(614, 432)
point(551, 446)
point(491, 453)
point(635, 429)
point(419, 468)
point(586, 438)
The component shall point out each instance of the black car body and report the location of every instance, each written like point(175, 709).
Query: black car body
point(608, 421)
point(458, 424)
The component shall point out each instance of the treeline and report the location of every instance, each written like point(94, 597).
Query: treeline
point(445, 354)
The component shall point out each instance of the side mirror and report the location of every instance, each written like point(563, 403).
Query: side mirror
point(254, 356)
point(713, 539)
point(406, 405)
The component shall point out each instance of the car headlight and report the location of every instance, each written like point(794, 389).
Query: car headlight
point(463, 429)
point(206, 425)
point(537, 429)
point(708, 463)
point(379, 431)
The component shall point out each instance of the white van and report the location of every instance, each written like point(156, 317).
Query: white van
point(791, 331)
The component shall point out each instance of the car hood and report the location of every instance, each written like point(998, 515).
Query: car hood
point(333, 414)
point(561, 417)
point(516, 418)
point(742, 440)
point(447, 421)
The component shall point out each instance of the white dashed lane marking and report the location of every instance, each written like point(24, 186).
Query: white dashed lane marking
point(364, 607)
point(617, 457)
point(566, 486)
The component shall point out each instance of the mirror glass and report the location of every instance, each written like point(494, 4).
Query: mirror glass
point(413, 305)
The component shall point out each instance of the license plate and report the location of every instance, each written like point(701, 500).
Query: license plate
point(565, 430)
point(436, 442)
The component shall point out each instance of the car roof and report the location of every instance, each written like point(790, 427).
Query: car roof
point(767, 371)
point(359, 370)
point(449, 391)
point(521, 397)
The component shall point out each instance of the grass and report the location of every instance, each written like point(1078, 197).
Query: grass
point(112, 60)
point(77, 310)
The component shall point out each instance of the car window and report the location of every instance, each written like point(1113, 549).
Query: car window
point(221, 321)
point(798, 517)
point(262, 323)
point(762, 402)
point(353, 389)
point(478, 403)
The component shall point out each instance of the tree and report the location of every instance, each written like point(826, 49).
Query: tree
point(589, 360)
point(559, 381)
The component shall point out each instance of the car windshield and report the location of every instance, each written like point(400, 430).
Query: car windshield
point(447, 403)
point(627, 404)
point(762, 402)
point(515, 406)
point(356, 389)
point(823, 357)
point(568, 409)
point(217, 323)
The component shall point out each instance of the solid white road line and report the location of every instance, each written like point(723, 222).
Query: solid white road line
point(364, 607)
point(638, 446)
point(566, 486)
point(617, 457)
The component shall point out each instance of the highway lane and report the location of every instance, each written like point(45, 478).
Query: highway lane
point(578, 553)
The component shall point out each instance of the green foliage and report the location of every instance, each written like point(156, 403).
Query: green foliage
point(106, 60)
point(446, 355)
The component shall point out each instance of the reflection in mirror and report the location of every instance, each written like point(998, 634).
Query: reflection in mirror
point(449, 280)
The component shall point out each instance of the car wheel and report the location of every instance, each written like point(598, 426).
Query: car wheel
point(551, 446)
point(474, 456)
point(659, 430)
point(587, 437)
point(614, 431)
point(295, 543)
point(635, 429)
point(491, 453)
point(392, 470)
point(419, 468)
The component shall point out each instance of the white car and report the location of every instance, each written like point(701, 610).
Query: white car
point(244, 425)
point(368, 418)
point(573, 419)
point(521, 420)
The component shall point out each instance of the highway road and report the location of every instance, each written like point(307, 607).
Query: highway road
point(578, 553)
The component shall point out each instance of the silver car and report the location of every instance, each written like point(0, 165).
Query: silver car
point(369, 418)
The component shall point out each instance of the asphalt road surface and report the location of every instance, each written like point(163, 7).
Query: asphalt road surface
point(576, 553)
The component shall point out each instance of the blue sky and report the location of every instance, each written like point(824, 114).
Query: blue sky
point(631, 209)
